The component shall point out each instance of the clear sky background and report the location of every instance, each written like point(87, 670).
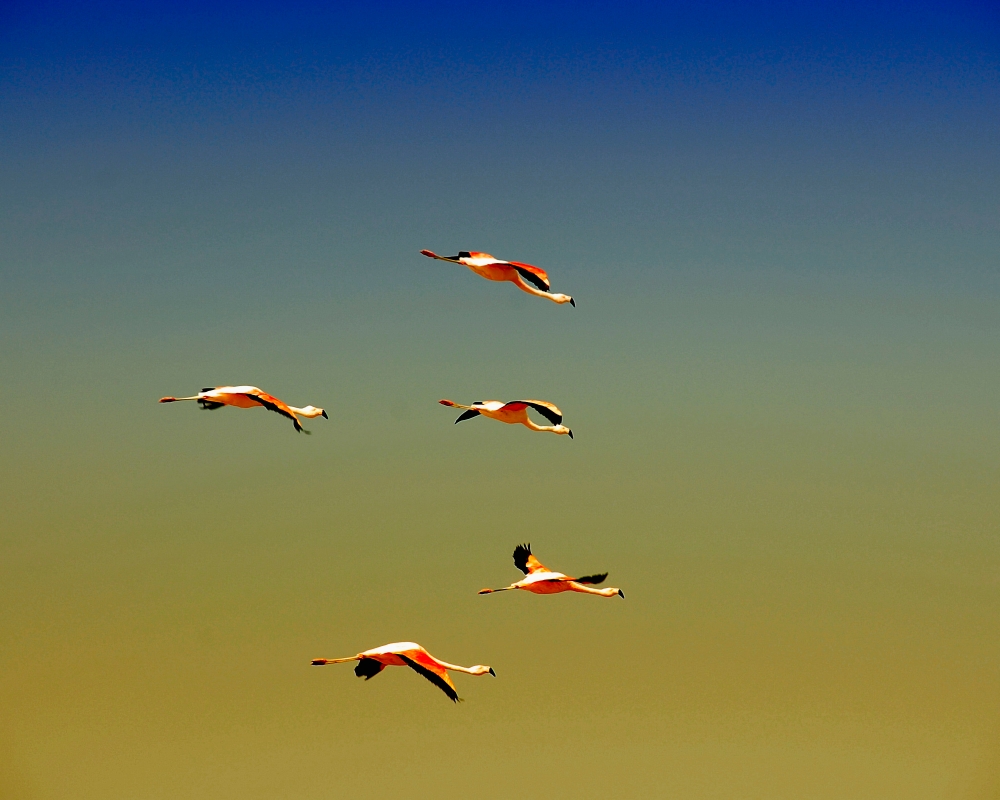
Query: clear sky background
point(782, 229)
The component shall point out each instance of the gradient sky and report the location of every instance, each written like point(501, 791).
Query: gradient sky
point(782, 229)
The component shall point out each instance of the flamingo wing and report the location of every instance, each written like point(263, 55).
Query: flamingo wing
point(272, 403)
point(209, 405)
point(550, 411)
point(526, 562)
point(435, 673)
point(467, 415)
point(368, 668)
point(599, 578)
point(532, 274)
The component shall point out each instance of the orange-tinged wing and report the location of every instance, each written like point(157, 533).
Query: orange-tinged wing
point(526, 562)
point(422, 663)
point(272, 403)
point(550, 411)
point(534, 275)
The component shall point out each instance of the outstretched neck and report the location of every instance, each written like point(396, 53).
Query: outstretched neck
point(549, 428)
point(456, 667)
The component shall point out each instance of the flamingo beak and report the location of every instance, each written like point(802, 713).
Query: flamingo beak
point(324, 415)
point(621, 594)
point(318, 662)
point(571, 434)
point(572, 302)
point(492, 672)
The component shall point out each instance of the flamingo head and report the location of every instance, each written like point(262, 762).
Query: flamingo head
point(563, 430)
point(563, 298)
point(480, 669)
point(312, 411)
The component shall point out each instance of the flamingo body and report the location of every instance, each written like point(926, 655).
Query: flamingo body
point(540, 579)
point(514, 412)
point(407, 654)
point(526, 277)
point(249, 397)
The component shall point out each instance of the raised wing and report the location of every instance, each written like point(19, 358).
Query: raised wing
point(435, 674)
point(550, 411)
point(368, 668)
point(526, 562)
point(532, 274)
point(272, 403)
point(599, 578)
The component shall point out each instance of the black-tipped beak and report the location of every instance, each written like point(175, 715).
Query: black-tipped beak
point(319, 662)
point(621, 594)
point(325, 416)
point(571, 434)
point(572, 302)
point(492, 672)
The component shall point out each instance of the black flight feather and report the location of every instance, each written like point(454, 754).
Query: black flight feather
point(467, 415)
point(209, 389)
point(368, 668)
point(532, 278)
point(433, 677)
point(273, 407)
point(521, 553)
point(548, 413)
point(209, 405)
point(600, 578)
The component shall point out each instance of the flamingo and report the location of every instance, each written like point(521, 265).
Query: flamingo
point(541, 580)
point(514, 412)
point(407, 654)
point(249, 397)
point(525, 277)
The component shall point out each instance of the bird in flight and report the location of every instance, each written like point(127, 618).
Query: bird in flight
point(542, 580)
point(249, 397)
point(514, 413)
point(524, 276)
point(407, 654)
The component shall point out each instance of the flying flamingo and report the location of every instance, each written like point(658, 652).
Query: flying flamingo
point(514, 413)
point(541, 580)
point(407, 654)
point(524, 276)
point(249, 397)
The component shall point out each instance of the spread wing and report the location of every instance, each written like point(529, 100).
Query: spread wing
point(550, 411)
point(526, 562)
point(533, 275)
point(368, 668)
point(272, 403)
point(599, 578)
point(467, 415)
point(435, 674)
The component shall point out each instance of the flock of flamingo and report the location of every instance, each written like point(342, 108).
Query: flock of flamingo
point(538, 578)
